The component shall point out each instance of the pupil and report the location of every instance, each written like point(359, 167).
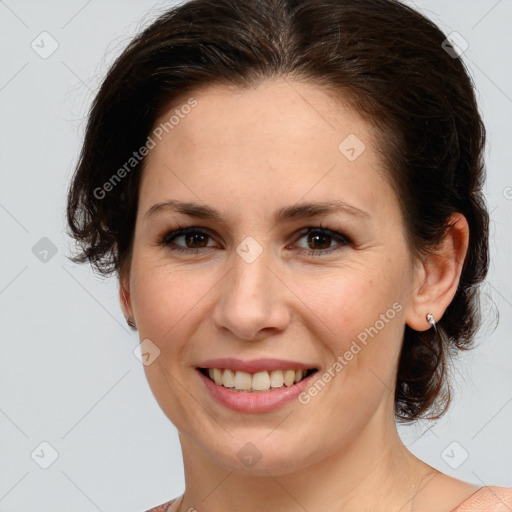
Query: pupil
point(317, 237)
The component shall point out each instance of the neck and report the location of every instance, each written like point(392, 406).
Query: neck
point(375, 472)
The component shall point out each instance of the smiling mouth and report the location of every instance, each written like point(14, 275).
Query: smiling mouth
point(259, 382)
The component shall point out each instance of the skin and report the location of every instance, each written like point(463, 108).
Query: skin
point(247, 154)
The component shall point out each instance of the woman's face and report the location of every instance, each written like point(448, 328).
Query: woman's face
point(252, 283)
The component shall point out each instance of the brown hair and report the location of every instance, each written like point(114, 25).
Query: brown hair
point(385, 58)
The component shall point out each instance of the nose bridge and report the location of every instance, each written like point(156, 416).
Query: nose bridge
point(247, 278)
point(252, 298)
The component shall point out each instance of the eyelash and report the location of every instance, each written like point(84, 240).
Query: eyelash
point(343, 240)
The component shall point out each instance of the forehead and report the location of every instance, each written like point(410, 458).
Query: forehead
point(278, 113)
point(280, 138)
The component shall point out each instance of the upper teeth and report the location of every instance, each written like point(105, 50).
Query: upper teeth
point(259, 381)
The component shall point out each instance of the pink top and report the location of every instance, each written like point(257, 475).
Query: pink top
point(486, 499)
point(162, 508)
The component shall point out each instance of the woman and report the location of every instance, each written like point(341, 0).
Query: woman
point(290, 193)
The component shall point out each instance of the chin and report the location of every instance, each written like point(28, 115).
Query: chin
point(256, 456)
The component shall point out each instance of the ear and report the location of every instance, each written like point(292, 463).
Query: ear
point(438, 275)
point(125, 298)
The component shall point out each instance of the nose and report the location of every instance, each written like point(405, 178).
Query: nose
point(252, 300)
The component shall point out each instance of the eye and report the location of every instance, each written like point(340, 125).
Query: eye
point(319, 240)
point(194, 239)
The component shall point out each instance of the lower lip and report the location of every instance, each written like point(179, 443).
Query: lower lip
point(255, 402)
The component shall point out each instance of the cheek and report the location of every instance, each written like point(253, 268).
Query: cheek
point(168, 308)
point(169, 305)
point(343, 303)
point(162, 294)
point(358, 318)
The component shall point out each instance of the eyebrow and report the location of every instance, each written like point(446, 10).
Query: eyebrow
point(296, 211)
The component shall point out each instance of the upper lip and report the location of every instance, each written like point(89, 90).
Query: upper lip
point(254, 365)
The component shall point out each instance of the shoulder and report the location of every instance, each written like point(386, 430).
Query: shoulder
point(162, 508)
point(488, 499)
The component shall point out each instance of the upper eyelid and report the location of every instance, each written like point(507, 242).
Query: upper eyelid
point(175, 233)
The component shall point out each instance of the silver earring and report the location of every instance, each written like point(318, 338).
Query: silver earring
point(431, 320)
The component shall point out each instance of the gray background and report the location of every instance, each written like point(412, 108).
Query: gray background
point(68, 374)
